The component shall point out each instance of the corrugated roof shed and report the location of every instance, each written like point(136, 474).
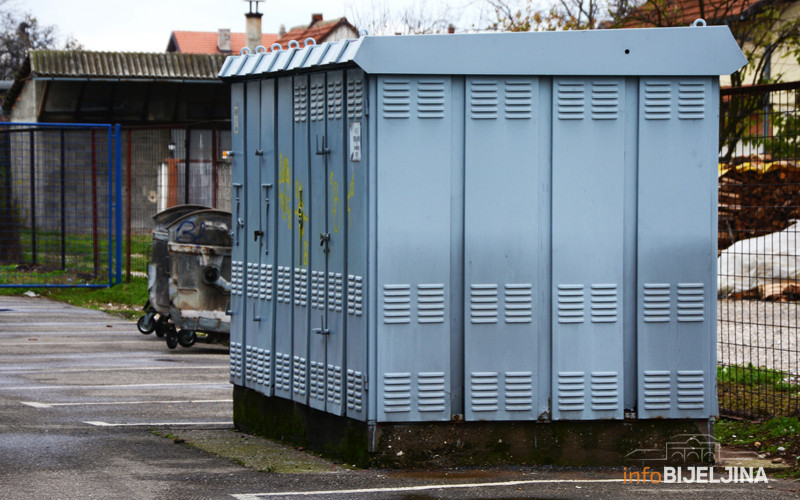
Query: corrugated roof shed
point(167, 66)
point(79, 64)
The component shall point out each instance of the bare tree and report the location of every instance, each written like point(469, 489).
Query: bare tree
point(20, 33)
point(563, 14)
point(763, 31)
point(378, 18)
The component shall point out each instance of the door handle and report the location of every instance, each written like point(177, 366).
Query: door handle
point(266, 188)
point(324, 150)
point(323, 328)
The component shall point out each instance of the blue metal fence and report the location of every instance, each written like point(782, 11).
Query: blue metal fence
point(60, 216)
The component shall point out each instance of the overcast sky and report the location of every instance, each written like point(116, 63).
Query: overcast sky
point(145, 25)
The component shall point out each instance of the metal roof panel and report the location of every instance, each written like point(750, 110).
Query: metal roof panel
point(334, 53)
point(299, 57)
point(701, 50)
point(284, 57)
point(316, 55)
point(265, 63)
point(709, 50)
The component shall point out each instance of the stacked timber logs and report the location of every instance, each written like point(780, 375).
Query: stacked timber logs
point(756, 197)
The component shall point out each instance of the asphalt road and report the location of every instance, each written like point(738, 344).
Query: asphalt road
point(86, 400)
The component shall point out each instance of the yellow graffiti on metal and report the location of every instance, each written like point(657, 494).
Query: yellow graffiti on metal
point(351, 191)
point(285, 189)
point(336, 204)
point(302, 219)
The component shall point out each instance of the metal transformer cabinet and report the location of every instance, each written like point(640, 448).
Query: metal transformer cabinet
point(493, 226)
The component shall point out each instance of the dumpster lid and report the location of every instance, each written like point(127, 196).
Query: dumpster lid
point(202, 227)
point(684, 51)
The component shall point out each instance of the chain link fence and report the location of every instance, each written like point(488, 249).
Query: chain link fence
point(155, 177)
point(759, 207)
point(56, 214)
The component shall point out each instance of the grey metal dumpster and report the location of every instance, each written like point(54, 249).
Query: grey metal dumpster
point(200, 266)
point(494, 226)
point(158, 271)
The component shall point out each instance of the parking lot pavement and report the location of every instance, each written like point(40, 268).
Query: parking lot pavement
point(89, 407)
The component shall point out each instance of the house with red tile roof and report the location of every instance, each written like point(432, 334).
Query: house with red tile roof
point(208, 42)
point(781, 64)
point(227, 42)
point(661, 13)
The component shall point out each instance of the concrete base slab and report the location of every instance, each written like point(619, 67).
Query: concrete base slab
point(453, 444)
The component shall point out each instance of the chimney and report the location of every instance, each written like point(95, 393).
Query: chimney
point(224, 40)
point(282, 31)
point(315, 18)
point(253, 31)
point(451, 29)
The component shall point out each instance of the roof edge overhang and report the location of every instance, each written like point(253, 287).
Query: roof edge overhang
point(684, 51)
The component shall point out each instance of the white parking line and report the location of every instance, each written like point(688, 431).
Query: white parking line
point(124, 386)
point(44, 342)
point(156, 424)
point(36, 404)
point(115, 369)
point(256, 496)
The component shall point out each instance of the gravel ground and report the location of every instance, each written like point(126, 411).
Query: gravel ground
point(759, 332)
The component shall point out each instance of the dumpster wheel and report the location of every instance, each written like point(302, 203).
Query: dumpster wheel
point(172, 337)
point(187, 338)
point(146, 324)
point(162, 326)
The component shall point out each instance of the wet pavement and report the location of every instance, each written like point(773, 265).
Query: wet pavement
point(90, 408)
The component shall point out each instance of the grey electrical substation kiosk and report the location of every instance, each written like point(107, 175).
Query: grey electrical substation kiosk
point(486, 234)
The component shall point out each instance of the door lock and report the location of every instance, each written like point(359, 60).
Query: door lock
point(324, 242)
point(256, 234)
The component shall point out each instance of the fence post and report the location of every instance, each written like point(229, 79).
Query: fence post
point(188, 156)
point(31, 139)
point(95, 250)
point(118, 177)
point(128, 211)
point(214, 166)
point(63, 201)
point(110, 186)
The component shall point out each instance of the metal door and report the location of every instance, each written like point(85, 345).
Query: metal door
point(355, 221)
point(288, 363)
point(676, 260)
point(502, 253)
point(261, 253)
point(238, 181)
point(253, 363)
point(301, 241)
point(326, 343)
point(414, 154)
point(334, 246)
point(587, 247)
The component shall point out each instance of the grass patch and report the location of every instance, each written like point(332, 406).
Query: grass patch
point(756, 376)
point(734, 432)
point(774, 437)
point(757, 392)
point(82, 261)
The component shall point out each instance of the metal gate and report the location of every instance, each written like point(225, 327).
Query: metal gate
point(60, 218)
